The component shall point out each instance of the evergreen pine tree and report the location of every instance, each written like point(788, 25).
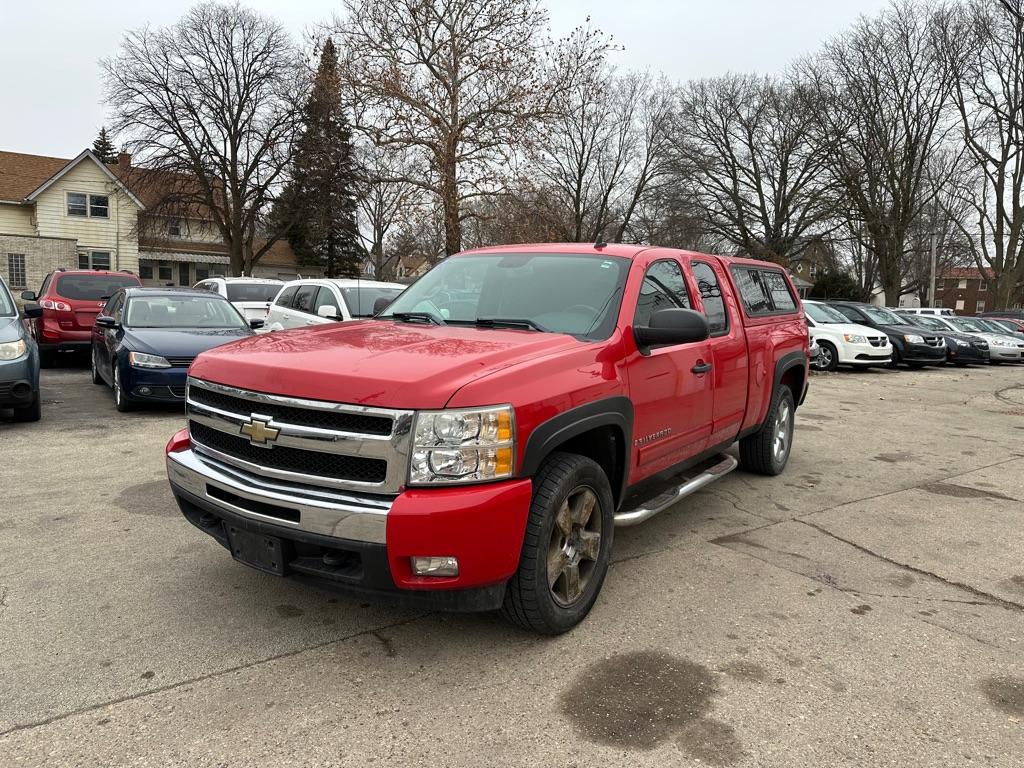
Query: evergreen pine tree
point(321, 199)
point(104, 148)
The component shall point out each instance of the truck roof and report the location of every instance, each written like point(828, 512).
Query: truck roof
point(622, 250)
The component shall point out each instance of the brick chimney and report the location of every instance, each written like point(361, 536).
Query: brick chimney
point(124, 159)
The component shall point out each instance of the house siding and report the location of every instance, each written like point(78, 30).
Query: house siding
point(116, 234)
point(16, 220)
point(42, 256)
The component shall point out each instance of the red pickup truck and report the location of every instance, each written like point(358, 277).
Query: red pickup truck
point(474, 445)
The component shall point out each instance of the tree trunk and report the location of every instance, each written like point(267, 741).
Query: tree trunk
point(236, 252)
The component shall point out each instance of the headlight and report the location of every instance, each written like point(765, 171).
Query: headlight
point(913, 339)
point(142, 360)
point(1004, 343)
point(469, 445)
point(855, 338)
point(12, 350)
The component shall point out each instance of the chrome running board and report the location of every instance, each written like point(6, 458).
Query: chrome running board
point(663, 501)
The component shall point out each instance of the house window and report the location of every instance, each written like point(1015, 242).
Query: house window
point(979, 308)
point(203, 271)
point(165, 272)
point(145, 270)
point(99, 207)
point(183, 273)
point(174, 228)
point(94, 260)
point(813, 271)
point(78, 204)
point(937, 303)
point(16, 270)
point(962, 284)
point(982, 286)
point(959, 304)
point(93, 206)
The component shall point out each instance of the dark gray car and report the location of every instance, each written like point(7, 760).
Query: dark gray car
point(19, 360)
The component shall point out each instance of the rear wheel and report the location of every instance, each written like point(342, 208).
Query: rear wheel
point(766, 451)
point(566, 548)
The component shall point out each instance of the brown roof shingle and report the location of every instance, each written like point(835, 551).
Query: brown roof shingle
point(21, 174)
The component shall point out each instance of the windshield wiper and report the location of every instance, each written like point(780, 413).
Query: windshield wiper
point(508, 322)
point(412, 317)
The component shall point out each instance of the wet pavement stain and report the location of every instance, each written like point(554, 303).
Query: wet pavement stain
point(711, 742)
point(288, 611)
point(962, 491)
point(809, 428)
point(747, 671)
point(1015, 583)
point(148, 675)
point(153, 498)
point(895, 458)
point(902, 580)
point(861, 610)
point(1005, 694)
point(639, 700)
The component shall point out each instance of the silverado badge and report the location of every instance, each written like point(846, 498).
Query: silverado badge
point(260, 432)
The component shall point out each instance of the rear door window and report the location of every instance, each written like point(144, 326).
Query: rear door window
point(91, 287)
point(286, 297)
point(711, 296)
point(325, 298)
point(305, 298)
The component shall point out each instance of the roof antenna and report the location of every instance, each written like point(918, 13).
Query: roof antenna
point(600, 240)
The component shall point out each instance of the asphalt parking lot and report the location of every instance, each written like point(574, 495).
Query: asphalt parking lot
point(865, 608)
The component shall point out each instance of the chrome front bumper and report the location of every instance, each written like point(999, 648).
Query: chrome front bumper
point(320, 510)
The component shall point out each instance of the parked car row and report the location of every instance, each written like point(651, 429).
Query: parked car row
point(861, 335)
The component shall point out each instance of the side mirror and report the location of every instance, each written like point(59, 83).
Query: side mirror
point(328, 312)
point(33, 311)
point(381, 304)
point(254, 324)
point(29, 295)
point(106, 321)
point(672, 326)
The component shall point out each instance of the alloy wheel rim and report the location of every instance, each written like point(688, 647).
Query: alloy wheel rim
point(117, 386)
point(783, 430)
point(574, 547)
point(826, 357)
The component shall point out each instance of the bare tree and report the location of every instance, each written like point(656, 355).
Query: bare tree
point(461, 82)
point(386, 200)
point(743, 148)
point(882, 89)
point(210, 104)
point(984, 46)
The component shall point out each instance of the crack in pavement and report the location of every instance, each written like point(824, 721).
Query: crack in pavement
point(373, 632)
point(995, 599)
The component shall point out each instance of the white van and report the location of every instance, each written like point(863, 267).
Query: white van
point(842, 342)
point(250, 295)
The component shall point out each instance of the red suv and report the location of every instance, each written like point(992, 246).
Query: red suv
point(70, 301)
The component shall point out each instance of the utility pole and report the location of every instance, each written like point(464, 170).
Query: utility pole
point(931, 283)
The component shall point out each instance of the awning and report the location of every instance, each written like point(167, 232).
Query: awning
point(191, 258)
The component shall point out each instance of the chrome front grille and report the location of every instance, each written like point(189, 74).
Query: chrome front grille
point(933, 341)
point(878, 341)
point(315, 442)
point(180, 362)
point(979, 344)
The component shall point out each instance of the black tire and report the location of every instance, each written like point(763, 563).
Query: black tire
point(121, 401)
point(47, 358)
point(829, 356)
point(915, 366)
point(31, 412)
point(759, 452)
point(563, 481)
point(94, 368)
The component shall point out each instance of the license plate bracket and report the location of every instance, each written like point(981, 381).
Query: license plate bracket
point(265, 553)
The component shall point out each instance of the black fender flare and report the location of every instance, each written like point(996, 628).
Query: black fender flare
point(784, 365)
point(547, 436)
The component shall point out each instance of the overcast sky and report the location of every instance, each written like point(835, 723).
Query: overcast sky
point(50, 89)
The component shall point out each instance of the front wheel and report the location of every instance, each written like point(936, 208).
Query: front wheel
point(828, 358)
point(31, 412)
point(766, 451)
point(121, 401)
point(566, 548)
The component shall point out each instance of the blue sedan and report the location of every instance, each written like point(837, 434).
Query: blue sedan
point(19, 360)
point(145, 339)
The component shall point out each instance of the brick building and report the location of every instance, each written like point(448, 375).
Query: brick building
point(965, 290)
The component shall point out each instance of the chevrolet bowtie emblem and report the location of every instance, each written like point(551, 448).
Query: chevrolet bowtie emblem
point(260, 432)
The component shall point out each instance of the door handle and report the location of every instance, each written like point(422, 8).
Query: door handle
point(701, 367)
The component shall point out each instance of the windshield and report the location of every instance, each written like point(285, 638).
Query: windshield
point(182, 312)
point(6, 302)
point(930, 322)
point(883, 316)
point(967, 324)
point(92, 287)
point(1004, 325)
point(988, 325)
point(559, 293)
point(360, 300)
point(822, 314)
point(264, 292)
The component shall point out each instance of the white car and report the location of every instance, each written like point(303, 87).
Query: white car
point(316, 301)
point(251, 296)
point(843, 342)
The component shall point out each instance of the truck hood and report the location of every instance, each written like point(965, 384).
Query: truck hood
point(375, 362)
